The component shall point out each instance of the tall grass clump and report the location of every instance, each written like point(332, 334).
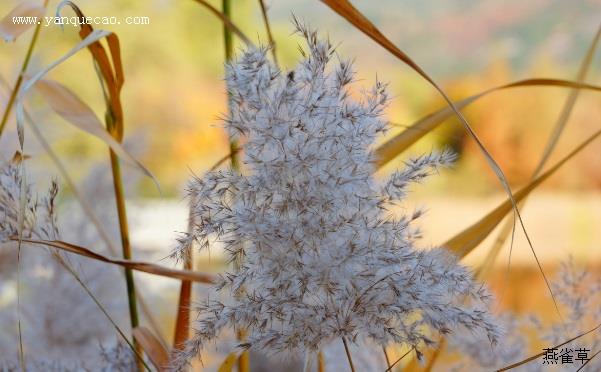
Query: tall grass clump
point(62, 336)
point(322, 259)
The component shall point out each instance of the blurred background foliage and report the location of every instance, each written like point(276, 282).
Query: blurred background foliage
point(174, 96)
point(174, 92)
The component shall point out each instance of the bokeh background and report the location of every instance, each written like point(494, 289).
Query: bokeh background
point(174, 96)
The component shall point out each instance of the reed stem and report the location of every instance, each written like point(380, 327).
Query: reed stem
point(272, 45)
point(348, 354)
point(229, 53)
point(89, 211)
point(125, 244)
point(387, 357)
point(13, 94)
point(226, 7)
point(321, 366)
point(182, 323)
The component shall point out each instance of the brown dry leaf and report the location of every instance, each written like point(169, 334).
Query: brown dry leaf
point(152, 347)
point(351, 14)
point(11, 30)
point(65, 103)
point(111, 73)
point(28, 85)
point(68, 104)
point(86, 206)
point(558, 129)
point(113, 77)
point(228, 363)
point(146, 267)
point(464, 242)
point(71, 108)
point(509, 225)
point(402, 141)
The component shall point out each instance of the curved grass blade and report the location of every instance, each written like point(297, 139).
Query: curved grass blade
point(402, 141)
point(71, 108)
point(111, 71)
point(87, 208)
point(146, 267)
point(508, 227)
point(559, 127)
point(111, 81)
point(345, 9)
point(66, 104)
point(464, 242)
point(28, 85)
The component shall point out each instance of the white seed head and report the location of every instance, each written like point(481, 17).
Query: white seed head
point(320, 257)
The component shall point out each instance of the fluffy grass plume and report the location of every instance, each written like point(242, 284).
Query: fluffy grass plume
point(320, 256)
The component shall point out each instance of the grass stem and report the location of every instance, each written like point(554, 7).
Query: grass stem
point(124, 231)
point(321, 366)
point(89, 211)
point(244, 359)
point(348, 354)
point(268, 30)
point(387, 357)
point(182, 322)
point(399, 359)
point(229, 54)
point(13, 94)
